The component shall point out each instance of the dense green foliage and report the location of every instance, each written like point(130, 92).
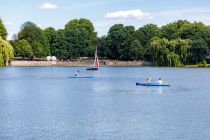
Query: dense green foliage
point(80, 38)
point(3, 31)
point(52, 38)
point(170, 53)
point(175, 44)
point(6, 52)
point(36, 38)
point(22, 48)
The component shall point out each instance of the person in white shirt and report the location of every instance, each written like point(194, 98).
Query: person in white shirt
point(159, 81)
point(148, 80)
point(77, 73)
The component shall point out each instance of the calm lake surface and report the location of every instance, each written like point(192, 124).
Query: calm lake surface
point(41, 103)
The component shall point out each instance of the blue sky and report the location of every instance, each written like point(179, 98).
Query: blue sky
point(102, 13)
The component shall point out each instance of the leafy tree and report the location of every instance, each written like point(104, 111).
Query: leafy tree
point(147, 32)
point(52, 39)
point(173, 59)
point(61, 51)
point(182, 48)
point(159, 50)
point(38, 49)
point(80, 38)
point(36, 38)
point(169, 53)
point(6, 52)
point(3, 31)
point(170, 30)
point(115, 37)
point(199, 51)
point(119, 41)
point(137, 51)
point(22, 49)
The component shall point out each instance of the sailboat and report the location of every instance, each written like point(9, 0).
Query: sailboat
point(96, 63)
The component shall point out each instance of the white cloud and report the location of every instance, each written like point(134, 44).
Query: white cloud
point(48, 6)
point(129, 14)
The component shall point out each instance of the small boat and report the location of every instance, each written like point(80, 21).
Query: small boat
point(96, 63)
point(152, 84)
point(81, 77)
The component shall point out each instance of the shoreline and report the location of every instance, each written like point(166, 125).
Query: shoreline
point(88, 63)
point(27, 63)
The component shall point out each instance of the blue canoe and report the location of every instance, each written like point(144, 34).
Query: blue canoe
point(152, 84)
point(81, 77)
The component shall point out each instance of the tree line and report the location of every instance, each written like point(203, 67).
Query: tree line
point(77, 39)
point(175, 44)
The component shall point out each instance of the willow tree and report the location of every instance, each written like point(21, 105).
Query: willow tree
point(6, 52)
point(182, 48)
point(169, 53)
point(173, 59)
point(159, 50)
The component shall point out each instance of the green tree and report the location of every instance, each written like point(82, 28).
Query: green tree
point(38, 49)
point(80, 38)
point(115, 37)
point(52, 39)
point(119, 41)
point(199, 51)
point(137, 51)
point(62, 50)
point(6, 52)
point(3, 31)
point(182, 48)
point(36, 38)
point(147, 32)
point(22, 49)
point(159, 50)
point(170, 30)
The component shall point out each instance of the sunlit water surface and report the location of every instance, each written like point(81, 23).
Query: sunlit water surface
point(42, 103)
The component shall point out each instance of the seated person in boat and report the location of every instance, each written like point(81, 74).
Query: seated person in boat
point(147, 80)
point(159, 81)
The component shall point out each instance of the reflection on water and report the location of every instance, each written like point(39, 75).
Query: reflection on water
point(43, 103)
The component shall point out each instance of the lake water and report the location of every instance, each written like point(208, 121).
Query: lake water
point(41, 103)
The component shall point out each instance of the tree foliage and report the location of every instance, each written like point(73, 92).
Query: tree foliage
point(36, 38)
point(80, 38)
point(6, 52)
point(175, 44)
point(3, 31)
point(22, 49)
point(52, 39)
point(169, 53)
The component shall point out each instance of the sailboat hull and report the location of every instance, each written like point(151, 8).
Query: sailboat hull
point(92, 68)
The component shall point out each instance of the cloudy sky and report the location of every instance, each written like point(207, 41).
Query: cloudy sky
point(102, 13)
